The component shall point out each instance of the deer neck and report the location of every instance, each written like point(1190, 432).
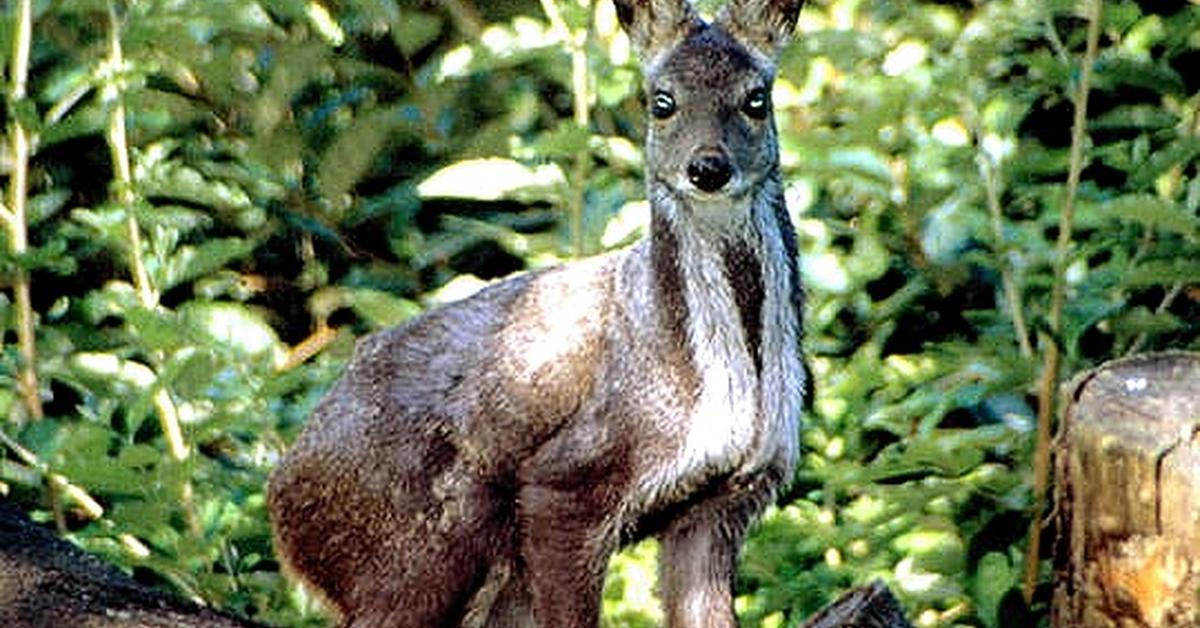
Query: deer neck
point(729, 297)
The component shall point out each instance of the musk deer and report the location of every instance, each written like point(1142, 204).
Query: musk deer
point(478, 465)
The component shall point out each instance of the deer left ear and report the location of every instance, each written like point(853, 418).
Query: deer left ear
point(765, 25)
point(655, 25)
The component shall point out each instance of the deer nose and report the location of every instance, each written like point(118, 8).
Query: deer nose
point(709, 171)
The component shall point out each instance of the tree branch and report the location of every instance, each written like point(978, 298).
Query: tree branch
point(15, 216)
point(1052, 351)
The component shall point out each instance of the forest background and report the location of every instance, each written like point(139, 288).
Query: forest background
point(207, 201)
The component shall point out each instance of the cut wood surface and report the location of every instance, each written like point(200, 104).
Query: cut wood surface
point(1128, 496)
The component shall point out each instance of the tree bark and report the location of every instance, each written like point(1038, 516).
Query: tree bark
point(1127, 554)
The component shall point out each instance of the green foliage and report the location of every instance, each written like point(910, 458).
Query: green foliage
point(304, 172)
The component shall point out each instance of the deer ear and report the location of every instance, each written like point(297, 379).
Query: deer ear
point(764, 25)
point(653, 25)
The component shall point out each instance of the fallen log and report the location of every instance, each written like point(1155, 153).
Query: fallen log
point(870, 606)
point(1128, 496)
point(47, 582)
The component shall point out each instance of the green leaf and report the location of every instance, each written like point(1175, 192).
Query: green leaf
point(1161, 273)
point(45, 205)
point(115, 299)
point(1140, 320)
point(24, 111)
point(139, 456)
point(144, 517)
point(566, 141)
point(1183, 150)
point(1003, 114)
point(995, 576)
point(1115, 72)
point(177, 218)
point(951, 453)
point(52, 257)
point(191, 262)
point(292, 68)
point(415, 30)
point(1143, 117)
point(1153, 212)
point(1084, 312)
point(81, 6)
point(378, 308)
point(158, 329)
point(1120, 16)
point(350, 156)
point(1038, 161)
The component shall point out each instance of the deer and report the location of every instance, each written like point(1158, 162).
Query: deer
point(479, 464)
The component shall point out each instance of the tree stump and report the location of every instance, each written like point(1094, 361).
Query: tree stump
point(1128, 496)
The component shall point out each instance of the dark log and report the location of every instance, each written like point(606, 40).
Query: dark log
point(870, 606)
point(1127, 489)
point(47, 582)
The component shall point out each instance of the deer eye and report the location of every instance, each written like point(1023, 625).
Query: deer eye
point(662, 105)
point(756, 105)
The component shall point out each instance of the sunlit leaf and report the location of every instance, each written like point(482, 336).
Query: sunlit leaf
point(125, 376)
point(235, 327)
point(177, 182)
point(936, 547)
point(493, 179)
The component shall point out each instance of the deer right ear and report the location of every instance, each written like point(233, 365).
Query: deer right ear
point(653, 25)
point(765, 25)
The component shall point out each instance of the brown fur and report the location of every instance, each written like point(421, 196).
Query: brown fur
point(478, 465)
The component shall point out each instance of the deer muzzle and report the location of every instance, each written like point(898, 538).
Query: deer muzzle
point(709, 171)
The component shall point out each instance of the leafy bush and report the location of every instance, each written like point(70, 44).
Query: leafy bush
point(220, 195)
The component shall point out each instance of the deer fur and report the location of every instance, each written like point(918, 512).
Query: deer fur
point(478, 465)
